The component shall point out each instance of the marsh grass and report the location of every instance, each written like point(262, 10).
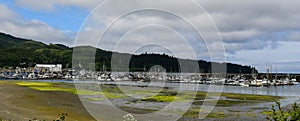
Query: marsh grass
point(112, 91)
point(165, 95)
point(159, 98)
point(61, 87)
point(227, 103)
point(264, 98)
point(220, 114)
point(94, 99)
point(192, 112)
point(136, 110)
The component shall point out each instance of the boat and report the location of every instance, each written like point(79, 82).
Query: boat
point(294, 82)
point(244, 83)
point(255, 83)
point(265, 83)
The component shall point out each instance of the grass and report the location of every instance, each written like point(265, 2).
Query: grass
point(236, 99)
point(266, 112)
point(34, 83)
point(217, 115)
point(192, 112)
point(112, 91)
point(136, 110)
point(165, 95)
point(61, 87)
point(235, 111)
point(265, 98)
point(250, 114)
point(94, 99)
point(227, 103)
point(159, 98)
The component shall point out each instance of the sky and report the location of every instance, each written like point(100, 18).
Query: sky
point(248, 32)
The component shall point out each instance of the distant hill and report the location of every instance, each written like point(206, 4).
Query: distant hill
point(18, 52)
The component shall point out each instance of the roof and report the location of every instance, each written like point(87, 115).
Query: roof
point(47, 65)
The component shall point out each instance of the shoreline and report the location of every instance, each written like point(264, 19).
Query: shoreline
point(18, 100)
point(23, 104)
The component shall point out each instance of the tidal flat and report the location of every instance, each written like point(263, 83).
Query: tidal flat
point(36, 96)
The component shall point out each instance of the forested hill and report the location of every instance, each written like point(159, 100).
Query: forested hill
point(18, 52)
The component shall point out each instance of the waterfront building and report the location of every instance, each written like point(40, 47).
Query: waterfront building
point(48, 67)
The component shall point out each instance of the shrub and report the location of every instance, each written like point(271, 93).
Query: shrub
point(278, 114)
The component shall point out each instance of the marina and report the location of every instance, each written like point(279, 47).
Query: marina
point(243, 80)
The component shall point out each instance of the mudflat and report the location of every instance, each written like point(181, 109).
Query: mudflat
point(25, 100)
point(23, 104)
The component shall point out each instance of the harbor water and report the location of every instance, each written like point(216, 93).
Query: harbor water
point(272, 90)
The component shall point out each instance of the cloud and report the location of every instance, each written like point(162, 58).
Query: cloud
point(53, 4)
point(293, 36)
point(179, 37)
point(12, 23)
point(236, 20)
point(286, 52)
point(249, 29)
point(7, 13)
point(238, 36)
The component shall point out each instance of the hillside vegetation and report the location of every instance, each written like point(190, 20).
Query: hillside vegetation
point(18, 52)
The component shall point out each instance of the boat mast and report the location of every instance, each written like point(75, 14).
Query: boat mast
point(276, 74)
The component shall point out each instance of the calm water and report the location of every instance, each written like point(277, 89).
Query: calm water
point(275, 91)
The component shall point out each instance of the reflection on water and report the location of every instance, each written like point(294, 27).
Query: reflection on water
point(275, 91)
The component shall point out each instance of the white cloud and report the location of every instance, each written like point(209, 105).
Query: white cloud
point(285, 54)
point(293, 36)
point(238, 36)
point(53, 4)
point(237, 20)
point(6, 13)
point(249, 28)
point(12, 23)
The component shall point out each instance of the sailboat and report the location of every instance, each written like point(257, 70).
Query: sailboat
point(255, 82)
point(294, 82)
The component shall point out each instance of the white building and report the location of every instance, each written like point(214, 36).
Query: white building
point(49, 67)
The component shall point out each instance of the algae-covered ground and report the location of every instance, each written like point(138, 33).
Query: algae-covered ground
point(146, 100)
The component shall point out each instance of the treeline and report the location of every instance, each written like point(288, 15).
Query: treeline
point(18, 52)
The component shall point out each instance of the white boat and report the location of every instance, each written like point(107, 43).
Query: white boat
point(294, 82)
point(256, 83)
point(244, 83)
point(265, 83)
